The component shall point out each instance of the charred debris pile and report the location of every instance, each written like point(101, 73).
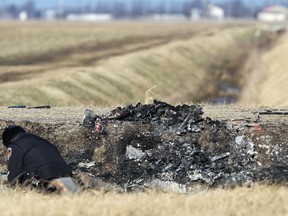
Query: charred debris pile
point(175, 146)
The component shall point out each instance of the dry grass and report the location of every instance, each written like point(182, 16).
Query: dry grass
point(259, 200)
point(273, 89)
point(19, 38)
point(107, 64)
point(75, 63)
point(63, 76)
point(76, 44)
point(267, 76)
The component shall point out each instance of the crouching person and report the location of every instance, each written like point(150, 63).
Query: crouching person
point(35, 160)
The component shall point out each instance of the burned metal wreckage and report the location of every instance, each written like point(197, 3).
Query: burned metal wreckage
point(176, 149)
point(172, 148)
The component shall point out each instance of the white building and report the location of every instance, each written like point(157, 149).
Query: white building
point(89, 17)
point(275, 13)
point(215, 12)
point(50, 14)
point(23, 16)
point(195, 14)
point(166, 17)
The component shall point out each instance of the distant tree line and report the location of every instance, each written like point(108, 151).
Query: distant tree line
point(13, 11)
point(137, 8)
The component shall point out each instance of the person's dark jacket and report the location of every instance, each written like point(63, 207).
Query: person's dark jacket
point(35, 156)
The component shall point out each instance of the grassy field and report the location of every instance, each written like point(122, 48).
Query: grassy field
point(108, 63)
point(19, 38)
point(268, 81)
point(276, 75)
point(258, 200)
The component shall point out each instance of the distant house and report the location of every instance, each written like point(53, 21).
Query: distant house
point(50, 14)
point(166, 17)
point(275, 13)
point(215, 12)
point(196, 14)
point(89, 17)
point(23, 16)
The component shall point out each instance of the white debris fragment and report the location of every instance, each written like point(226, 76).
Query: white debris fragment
point(239, 140)
point(250, 148)
point(86, 165)
point(247, 145)
point(134, 153)
point(218, 157)
point(199, 175)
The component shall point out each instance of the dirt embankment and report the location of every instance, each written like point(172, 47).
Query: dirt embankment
point(163, 145)
point(88, 53)
point(267, 77)
point(197, 64)
point(234, 79)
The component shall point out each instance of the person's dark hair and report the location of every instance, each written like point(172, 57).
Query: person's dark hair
point(10, 132)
